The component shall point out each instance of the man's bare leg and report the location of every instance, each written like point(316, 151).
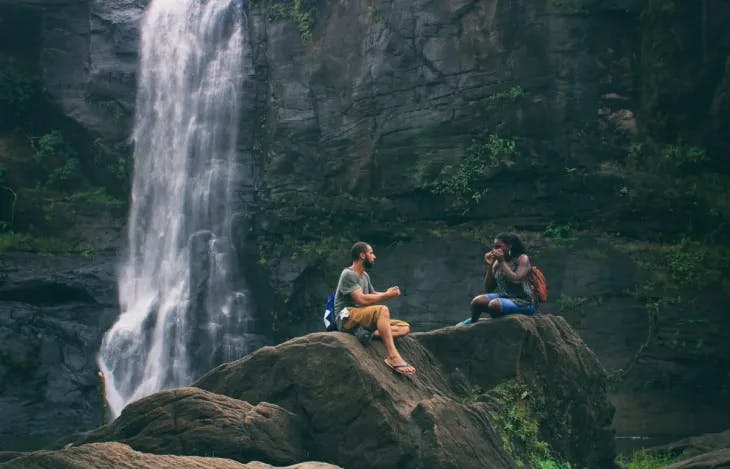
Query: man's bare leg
point(386, 335)
point(397, 330)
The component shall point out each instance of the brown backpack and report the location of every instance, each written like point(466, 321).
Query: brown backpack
point(539, 284)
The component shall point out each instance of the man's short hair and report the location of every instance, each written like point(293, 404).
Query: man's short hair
point(358, 248)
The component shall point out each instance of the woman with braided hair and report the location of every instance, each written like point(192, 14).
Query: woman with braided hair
point(507, 278)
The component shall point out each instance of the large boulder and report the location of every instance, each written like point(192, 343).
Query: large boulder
point(360, 414)
point(98, 455)
point(190, 421)
point(552, 359)
point(708, 451)
point(718, 459)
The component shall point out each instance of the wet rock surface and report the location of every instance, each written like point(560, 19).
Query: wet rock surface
point(425, 419)
point(189, 421)
point(97, 455)
point(53, 313)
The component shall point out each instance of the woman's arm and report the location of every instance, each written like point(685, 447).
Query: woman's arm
point(523, 268)
point(489, 282)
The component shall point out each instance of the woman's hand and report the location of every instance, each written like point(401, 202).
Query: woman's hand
point(498, 254)
point(489, 258)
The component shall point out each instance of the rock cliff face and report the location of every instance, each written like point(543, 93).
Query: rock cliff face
point(86, 52)
point(425, 128)
point(53, 313)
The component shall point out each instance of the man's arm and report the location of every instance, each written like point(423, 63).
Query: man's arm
point(367, 299)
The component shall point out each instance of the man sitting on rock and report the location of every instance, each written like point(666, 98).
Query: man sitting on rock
point(356, 306)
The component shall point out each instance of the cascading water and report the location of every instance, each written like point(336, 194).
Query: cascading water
point(181, 309)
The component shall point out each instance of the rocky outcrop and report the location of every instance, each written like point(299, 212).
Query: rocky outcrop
point(695, 445)
point(424, 421)
point(718, 459)
point(326, 397)
point(86, 55)
point(53, 313)
point(118, 455)
point(527, 349)
point(189, 421)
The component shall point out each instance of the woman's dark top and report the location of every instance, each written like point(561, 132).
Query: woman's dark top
point(519, 292)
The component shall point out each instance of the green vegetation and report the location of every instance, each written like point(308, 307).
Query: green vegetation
point(113, 166)
point(466, 182)
point(684, 265)
point(47, 190)
point(514, 410)
point(515, 414)
point(112, 108)
point(512, 94)
point(373, 15)
point(645, 460)
point(561, 233)
point(56, 163)
point(675, 185)
point(679, 275)
point(569, 304)
point(673, 158)
point(11, 241)
point(300, 12)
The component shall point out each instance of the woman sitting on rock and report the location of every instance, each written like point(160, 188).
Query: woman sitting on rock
point(508, 270)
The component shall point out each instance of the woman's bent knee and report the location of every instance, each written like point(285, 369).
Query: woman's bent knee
point(480, 300)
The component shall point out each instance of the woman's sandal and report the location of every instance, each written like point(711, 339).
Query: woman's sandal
point(400, 368)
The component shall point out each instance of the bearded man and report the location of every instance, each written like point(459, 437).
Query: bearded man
point(358, 305)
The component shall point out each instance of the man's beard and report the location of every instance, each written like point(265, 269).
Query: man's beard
point(367, 264)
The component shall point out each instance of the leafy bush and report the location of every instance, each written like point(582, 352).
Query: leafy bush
point(560, 233)
point(57, 164)
point(113, 167)
point(300, 12)
point(514, 413)
point(66, 175)
point(466, 182)
point(645, 460)
point(512, 94)
point(673, 158)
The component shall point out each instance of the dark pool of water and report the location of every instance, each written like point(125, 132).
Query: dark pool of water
point(626, 445)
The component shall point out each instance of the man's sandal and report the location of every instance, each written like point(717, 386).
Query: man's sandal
point(400, 369)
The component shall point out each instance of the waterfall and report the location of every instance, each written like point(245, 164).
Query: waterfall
point(183, 309)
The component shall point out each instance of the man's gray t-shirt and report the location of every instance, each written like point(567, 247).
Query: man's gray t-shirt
point(349, 282)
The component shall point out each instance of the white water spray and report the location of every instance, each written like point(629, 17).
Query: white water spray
point(181, 312)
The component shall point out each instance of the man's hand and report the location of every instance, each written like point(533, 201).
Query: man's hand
point(393, 291)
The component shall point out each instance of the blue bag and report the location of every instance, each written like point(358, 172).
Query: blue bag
point(329, 314)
